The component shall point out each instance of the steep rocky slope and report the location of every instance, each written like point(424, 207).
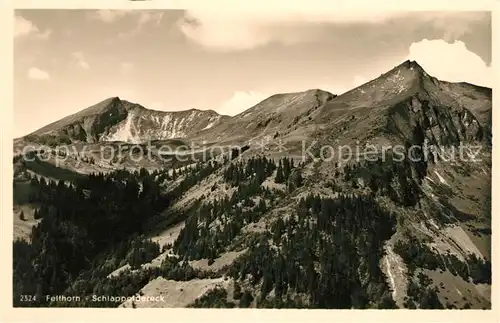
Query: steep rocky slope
point(407, 98)
point(119, 120)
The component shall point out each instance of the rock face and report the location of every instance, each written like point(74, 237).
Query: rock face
point(433, 114)
point(422, 117)
point(143, 125)
point(118, 120)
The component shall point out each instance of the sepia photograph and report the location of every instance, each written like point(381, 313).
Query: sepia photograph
point(252, 159)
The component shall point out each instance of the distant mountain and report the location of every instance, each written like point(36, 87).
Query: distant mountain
point(279, 115)
point(274, 116)
point(119, 120)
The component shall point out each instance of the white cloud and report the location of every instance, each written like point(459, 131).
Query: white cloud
point(457, 25)
point(35, 73)
point(143, 19)
point(80, 61)
point(245, 28)
point(106, 15)
point(110, 16)
point(149, 16)
point(451, 62)
point(241, 101)
point(26, 28)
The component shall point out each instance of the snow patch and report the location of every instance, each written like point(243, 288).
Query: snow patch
point(395, 269)
point(166, 121)
point(391, 278)
point(192, 115)
point(173, 130)
point(441, 179)
point(431, 221)
point(210, 125)
point(126, 132)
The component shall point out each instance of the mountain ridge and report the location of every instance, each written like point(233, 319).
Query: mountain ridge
point(262, 228)
point(106, 103)
point(111, 119)
point(408, 76)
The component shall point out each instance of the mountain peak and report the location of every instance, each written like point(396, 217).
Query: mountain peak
point(401, 80)
point(320, 92)
point(108, 101)
point(414, 66)
point(100, 107)
point(409, 63)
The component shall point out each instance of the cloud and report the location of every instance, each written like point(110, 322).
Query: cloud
point(25, 28)
point(149, 16)
point(143, 19)
point(240, 101)
point(35, 73)
point(451, 62)
point(455, 26)
point(110, 16)
point(80, 60)
point(247, 28)
point(107, 16)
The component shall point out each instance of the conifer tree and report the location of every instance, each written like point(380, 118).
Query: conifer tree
point(280, 177)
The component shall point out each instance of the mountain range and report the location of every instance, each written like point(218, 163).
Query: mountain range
point(241, 229)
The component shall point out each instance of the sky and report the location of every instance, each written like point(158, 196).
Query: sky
point(227, 61)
